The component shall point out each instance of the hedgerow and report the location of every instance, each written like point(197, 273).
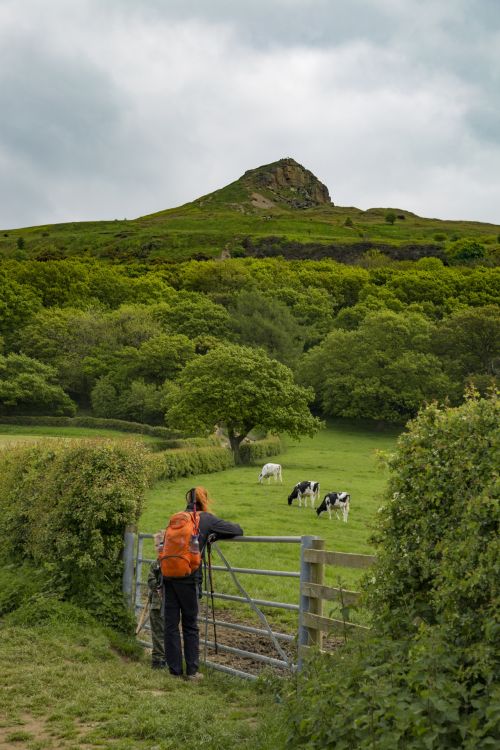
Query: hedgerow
point(428, 674)
point(97, 423)
point(172, 464)
point(63, 510)
point(258, 450)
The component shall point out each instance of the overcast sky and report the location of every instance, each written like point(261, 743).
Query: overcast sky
point(119, 108)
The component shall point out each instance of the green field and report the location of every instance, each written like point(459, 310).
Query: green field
point(10, 434)
point(342, 457)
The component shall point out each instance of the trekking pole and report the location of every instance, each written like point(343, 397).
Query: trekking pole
point(212, 594)
point(205, 649)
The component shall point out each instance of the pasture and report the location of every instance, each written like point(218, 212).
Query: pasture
point(10, 434)
point(341, 457)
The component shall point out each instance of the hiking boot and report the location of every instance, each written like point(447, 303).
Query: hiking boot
point(158, 665)
point(195, 677)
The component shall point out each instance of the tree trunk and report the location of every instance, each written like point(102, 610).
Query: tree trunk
point(235, 441)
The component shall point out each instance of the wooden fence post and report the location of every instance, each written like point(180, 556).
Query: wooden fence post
point(316, 604)
point(306, 636)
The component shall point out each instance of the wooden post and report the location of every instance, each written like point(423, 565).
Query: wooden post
point(316, 604)
point(306, 636)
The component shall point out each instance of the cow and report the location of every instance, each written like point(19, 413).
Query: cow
point(304, 490)
point(270, 470)
point(335, 501)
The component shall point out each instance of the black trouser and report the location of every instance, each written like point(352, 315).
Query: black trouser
point(181, 603)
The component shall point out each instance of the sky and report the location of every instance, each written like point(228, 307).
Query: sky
point(113, 109)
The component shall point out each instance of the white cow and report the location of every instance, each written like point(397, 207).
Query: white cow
point(270, 470)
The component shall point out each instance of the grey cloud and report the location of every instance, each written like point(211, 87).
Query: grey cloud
point(123, 108)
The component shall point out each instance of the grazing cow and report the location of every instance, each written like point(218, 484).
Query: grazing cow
point(335, 501)
point(270, 470)
point(304, 490)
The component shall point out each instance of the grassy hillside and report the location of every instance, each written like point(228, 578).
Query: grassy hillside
point(237, 219)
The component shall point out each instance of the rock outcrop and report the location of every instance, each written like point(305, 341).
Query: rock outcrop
point(286, 181)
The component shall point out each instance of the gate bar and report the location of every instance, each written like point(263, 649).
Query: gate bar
point(231, 671)
point(259, 572)
point(248, 629)
point(247, 654)
point(261, 602)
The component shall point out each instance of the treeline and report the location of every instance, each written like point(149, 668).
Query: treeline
point(373, 342)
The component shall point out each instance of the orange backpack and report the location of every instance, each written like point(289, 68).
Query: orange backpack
point(181, 555)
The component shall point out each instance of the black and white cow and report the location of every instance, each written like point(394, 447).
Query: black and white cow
point(270, 470)
point(335, 501)
point(304, 490)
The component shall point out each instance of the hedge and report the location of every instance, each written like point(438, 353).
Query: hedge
point(94, 423)
point(173, 464)
point(64, 507)
point(256, 452)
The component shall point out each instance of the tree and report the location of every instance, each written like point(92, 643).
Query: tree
point(27, 386)
point(241, 388)
point(390, 217)
point(260, 320)
point(469, 341)
point(382, 370)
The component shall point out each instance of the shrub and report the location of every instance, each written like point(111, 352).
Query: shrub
point(427, 676)
point(172, 464)
point(258, 450)
point(63, 510)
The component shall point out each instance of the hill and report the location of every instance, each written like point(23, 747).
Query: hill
point(276, 209)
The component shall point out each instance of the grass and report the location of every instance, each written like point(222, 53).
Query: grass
point(65, 686)
point(342, 457)
point(17, 433)
point(225, 217)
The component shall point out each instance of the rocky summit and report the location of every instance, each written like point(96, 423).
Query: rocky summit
point(285, 182)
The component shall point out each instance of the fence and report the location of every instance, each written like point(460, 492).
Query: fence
point(312, 593)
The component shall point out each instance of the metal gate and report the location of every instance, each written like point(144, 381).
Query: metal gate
point(134, 590)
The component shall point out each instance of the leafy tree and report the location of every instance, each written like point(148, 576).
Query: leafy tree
point(390, 217)
point(162, 357)
point(63, 338)
point(466, 250)
point(192, 315)
point(241, 388)
point(382, 370)
point(18, 303)
point(258, 320)
point(141, 402)
point(104, 398)
point(27, 386)
point(469, 341)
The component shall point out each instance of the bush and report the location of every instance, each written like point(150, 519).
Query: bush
point(255, 452)
point(182, 462)
point(63, 511)
point(428, 674)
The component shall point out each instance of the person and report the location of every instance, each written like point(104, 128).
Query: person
point(156, 617)
point(181, 594)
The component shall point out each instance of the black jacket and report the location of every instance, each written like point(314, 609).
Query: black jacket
point(211, 526)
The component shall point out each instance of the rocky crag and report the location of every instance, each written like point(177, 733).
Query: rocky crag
point(285, 182)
